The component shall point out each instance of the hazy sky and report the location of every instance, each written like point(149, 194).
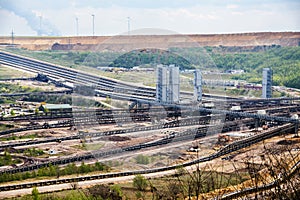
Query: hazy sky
point(58, 17)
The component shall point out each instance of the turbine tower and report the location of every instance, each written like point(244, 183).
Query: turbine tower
point(77, 26)
point(93, 16)
point(128, 25)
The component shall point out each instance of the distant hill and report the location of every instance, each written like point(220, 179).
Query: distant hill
point(123, 43)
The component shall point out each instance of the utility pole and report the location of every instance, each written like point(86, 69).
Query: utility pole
point(77, 26)
point(93, 24)
point(128, 24)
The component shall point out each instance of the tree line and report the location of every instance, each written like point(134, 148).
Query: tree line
point(54, 170)
point(285, 61)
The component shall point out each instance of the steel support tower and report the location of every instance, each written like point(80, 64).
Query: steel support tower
point(197, 85)
point(267, 83)
point(167, 85)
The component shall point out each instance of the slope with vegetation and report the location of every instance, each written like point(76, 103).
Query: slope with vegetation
point(285, 61)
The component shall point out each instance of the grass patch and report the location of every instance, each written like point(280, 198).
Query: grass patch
point(250, 93)
point(54, 171)
point(6, 159)
point(4, 127)
point(33, 152)
point(77, 146)
point(93, 146)
point(14, 137)
point(88, 146)
point(16, 88)
point(166, 187)
point(8, 73)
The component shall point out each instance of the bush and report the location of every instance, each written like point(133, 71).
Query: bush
point(140, 182)
point(141, 159)
point(104, 192)
point(35, 193)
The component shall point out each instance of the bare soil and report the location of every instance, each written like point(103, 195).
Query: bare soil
point(119, 43)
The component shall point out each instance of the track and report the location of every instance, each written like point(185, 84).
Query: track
point(104, 113)
point(200, 132)
point(89, 156)
point(99, 113)
point(87, 118)
point(105, 85)
point(73, 76)
point(111, 117)
point(227, 149)
point(180, 123)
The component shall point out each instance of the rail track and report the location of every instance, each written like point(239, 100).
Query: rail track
point(73, 76)
point(227, 149)
point(102, 83)
point(196, 133)
point(111, 117)
point(99, 113)
point(104, 113)
point(228, 126)
point(147, 95)
point(91, 119)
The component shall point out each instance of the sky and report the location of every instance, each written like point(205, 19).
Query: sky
point(58, 17)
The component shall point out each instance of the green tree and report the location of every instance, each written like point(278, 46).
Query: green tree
point(117, 189)
point(36, 111)
point(35, 193)
point(12, 112)
point(141, 159)
point(104, 192)
point(46, 110)
point(52, 170)
point(99, 166)
point(6, 159)
point(107, 100)
point(83, 168)
point(71, 168)
point(139, 195)
point(140, 182)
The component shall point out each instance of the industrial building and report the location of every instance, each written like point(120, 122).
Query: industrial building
point(53, 108)
point(267, 83)
point(167, 86)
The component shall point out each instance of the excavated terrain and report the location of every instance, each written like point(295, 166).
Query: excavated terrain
point(123, 42)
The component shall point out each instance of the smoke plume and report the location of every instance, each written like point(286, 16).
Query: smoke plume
point(41, 25)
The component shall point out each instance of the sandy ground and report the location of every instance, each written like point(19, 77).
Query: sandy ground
point(252, 153)
point(170, 154)
point(242, 39)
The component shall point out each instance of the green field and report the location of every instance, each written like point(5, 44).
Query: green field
point(285, 62)
point(6, 73)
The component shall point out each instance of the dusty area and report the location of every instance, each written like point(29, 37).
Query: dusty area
point(252, 154)
point(117, 43)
